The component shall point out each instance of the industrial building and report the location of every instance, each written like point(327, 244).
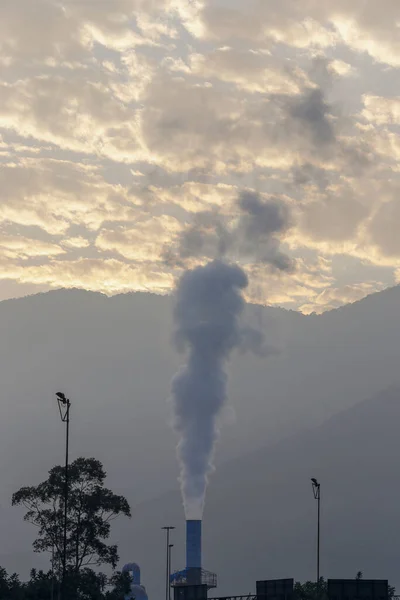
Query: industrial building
point(194, 583)
point(283, 589)
point(137, 590)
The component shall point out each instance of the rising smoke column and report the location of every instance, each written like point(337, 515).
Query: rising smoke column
point(209, 303)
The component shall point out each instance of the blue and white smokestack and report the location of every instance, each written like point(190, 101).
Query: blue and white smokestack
point(193, 544)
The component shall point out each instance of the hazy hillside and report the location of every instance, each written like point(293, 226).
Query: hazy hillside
point(114, 358)
point(260, 519)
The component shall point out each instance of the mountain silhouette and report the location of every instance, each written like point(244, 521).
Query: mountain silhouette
point(114, 358)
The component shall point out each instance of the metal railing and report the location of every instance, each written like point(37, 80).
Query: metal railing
point(245, 597)
point(194, 577)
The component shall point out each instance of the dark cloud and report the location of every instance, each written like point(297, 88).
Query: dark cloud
point(310, 114)
point(308, 173)
point(208, 235)
point(262, 218)
point(259, 227)
point(255, 235)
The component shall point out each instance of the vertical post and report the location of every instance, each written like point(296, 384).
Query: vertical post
point(170, 546)
point(317, 495)
point(318, 532)
point(64, 406)
point(65, 499)
point(167, 575)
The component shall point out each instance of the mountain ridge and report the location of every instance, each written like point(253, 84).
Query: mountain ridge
point(169, 295)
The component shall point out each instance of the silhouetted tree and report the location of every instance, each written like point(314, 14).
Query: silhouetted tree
point(85, 585)
point(120, 584)
point(39, 586)
point(11, 587)
point(91, 508)
point(310, 590)
point(391, 588)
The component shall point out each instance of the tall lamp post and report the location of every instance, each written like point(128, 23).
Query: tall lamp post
point(64, 406)
point(170, 546)
point(167, 530)
point(317, 495)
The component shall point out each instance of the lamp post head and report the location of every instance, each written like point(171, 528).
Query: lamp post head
point(62, 399)
point(316, 488)
point(64, 405)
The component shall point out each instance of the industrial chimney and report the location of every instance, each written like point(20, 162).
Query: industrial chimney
point(193, 581)
point(193, 551)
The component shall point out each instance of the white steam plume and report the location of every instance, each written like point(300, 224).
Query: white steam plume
point(209, 303)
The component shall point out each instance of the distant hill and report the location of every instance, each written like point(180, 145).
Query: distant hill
point(114, 359)
point(260, 518)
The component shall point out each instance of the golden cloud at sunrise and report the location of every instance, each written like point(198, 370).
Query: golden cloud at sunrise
point(130, 128)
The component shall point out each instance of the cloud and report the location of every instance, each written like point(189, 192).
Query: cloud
point(383, 228)
point(289, 288)
point(309, 174)
point(259, 229)
point(207, 236)
point(194, 196)
point(40, 31)
point(253, 235)
point(264, 23)
point(270, 131)
point(366, 27)
point(248, 70)
point(333, 297)
point(143, 241)
point(100, 116)
point(20, 247)
point(341, 68)
point(264, 131)
point(53, 195)
point(125, 123)
point(52, 33)
point(333, 218)
point(353, 217)
point(312, 113)
point(110, 276)
point(76, 242)
point(382, 111)
point(177, 115)
point(73, 113)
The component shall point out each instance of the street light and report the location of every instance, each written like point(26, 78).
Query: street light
point(64, 406)
point(169, 569)
point(317, 495)
point(167, 529)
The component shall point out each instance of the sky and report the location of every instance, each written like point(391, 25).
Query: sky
point(131, 131)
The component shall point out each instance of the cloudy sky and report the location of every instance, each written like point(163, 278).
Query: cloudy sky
point(141, 137)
